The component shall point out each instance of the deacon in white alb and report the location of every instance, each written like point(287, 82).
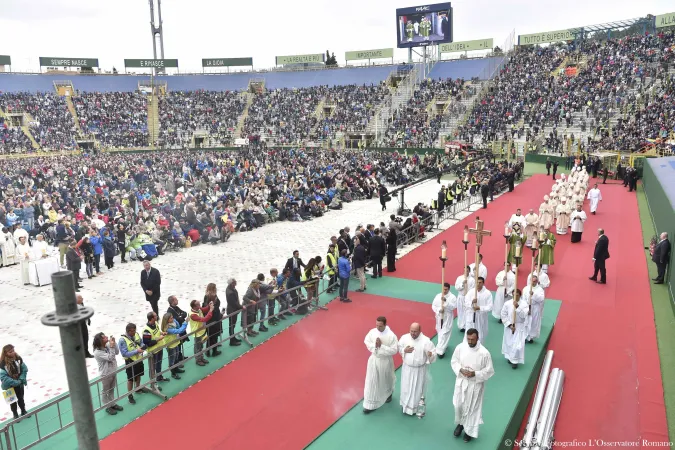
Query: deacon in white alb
point(463, 285)
point(533, 295)
point(515, 317)
point(23, 253)
point(8, 248)
point(381, 342)
point(444, 306)
point(544, 280)
point(41, 249)
point(506, 282)
point(595, 197)
point(418, 353)
point(577, 219)
point(472, 364)
point(482, 270)
point(477, 314)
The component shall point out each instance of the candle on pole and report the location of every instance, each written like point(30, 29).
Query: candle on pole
point(507, 236)
point(443, 258)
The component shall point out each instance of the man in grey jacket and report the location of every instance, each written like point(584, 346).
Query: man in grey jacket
point(265, 291)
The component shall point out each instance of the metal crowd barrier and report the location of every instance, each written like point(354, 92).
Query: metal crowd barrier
point(56, 415)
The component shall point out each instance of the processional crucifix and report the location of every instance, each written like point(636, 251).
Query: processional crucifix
point(479, 232)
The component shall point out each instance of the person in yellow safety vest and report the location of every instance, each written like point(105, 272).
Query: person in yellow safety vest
point(331, 263)
point(197, 328)
point(449, 197)
point(458, 190)
point(153, 338)
point(132, 348)
point(172, 342)
point(474, 184)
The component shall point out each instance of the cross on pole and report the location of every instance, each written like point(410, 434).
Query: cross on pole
point(479, 231)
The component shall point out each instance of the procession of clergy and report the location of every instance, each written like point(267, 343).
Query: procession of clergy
point(520, 311)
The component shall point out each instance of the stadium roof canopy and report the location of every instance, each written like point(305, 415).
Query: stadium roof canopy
point(646, 23)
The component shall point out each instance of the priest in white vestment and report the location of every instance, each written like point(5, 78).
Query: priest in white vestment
point(23, 254)
point(443, 307)
point(477, 313)
point(577, 219)
point(562, 212)
point(531, 227)
point(546, 213)
point(382, 344)
point(515, 316)
point(464, 284)
point(518, 218)
point(19, 233)
point(544, 280)
point(482, 270)
point(418, 353)
point(8, 247)
point(41, 248)
point(535, 300)
point(472, 364)
point(506, 282)
point(595, 197)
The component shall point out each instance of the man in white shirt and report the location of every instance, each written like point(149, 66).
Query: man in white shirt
point(595, 197)
point(472, 364)
point(477, 312)
point(418, 353)
point(443, 307)
point(382, 344)
point(463, 284)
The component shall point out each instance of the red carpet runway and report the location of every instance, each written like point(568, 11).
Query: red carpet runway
point(604, 338)
point(282, 394)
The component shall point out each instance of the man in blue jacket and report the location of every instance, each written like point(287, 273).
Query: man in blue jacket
point(344, 269)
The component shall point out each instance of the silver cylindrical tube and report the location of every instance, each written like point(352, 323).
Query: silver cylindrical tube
point(538, 399)
point(546, 408)
point(547, 443)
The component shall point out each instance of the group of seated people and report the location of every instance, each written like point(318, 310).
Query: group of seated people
point(13, 139)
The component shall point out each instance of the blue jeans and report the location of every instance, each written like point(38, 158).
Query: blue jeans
point(174, 353)
point(344, 287)
point(262, 307)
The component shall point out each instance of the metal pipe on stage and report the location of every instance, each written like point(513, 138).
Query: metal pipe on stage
point(547, 442)
point(545, 410)
point(538, 398)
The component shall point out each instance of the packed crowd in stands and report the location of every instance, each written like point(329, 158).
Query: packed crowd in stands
point(412, 124)
point(612, 82)
point(354, 106)
point(52, 126)
point(287, 114)
point(117, 119)
point(12, 140)
point(182, 113)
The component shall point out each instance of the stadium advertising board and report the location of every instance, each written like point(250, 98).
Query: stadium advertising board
point(424, 25)
point(369, 54)
point(546, 37)
point(151, 63)
point(226, 62)
point(68, 62)
point(301, 59)
point(665, 20)
point(467, 46)
point(5, 60)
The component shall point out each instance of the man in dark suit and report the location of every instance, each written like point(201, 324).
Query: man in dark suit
point(377, 251)
point(600, 255)
point(661, 257)
point(150, 282)
point(85, 328)
point(74, 263)
point(484, 192)
point(295, 262)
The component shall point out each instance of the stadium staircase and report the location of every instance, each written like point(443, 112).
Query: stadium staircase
point(451, 123)
point(406, 83)
point(562, 66)
point(244, 114)
point(153, 118)
point(27, 119)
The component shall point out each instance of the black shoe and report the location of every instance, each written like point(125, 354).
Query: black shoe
point(161, 378)
point(175, 376)
point(458, 430)
point(88, 355)
point(467, 438)
point(179, 370)
point(602, 282)
point(655, 279)
point(216, 353)
point(658, 282)
point(462, 330)
point(514, 365)
point(132, 400)
point(347, 300)
point(117, 407)
point(441, 356)
point(263, 328)
point(388, 399)
point(592, 278)
point(111, 411)
point(374, 276)
point(499, 321)
point(234, 343)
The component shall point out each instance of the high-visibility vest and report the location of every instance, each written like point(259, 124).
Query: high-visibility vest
point(132, 345)
point(458, 189)
point(171, 340)
point(473, 181)
point(156, 336)
point(197, 327)
point(449, 196)
point(332, 264)
point(434, 204)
